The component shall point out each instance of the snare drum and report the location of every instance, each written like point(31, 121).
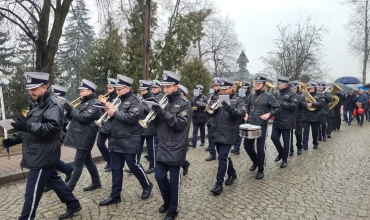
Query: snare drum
point(250, 131)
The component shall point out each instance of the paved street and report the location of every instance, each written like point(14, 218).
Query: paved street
point(332, 182)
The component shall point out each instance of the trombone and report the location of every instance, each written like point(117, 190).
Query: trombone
point(151, 115)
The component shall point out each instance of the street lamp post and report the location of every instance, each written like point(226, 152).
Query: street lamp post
point(3, 81)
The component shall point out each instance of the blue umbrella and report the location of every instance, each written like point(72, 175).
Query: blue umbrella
point(348, 80)
point(363, 88)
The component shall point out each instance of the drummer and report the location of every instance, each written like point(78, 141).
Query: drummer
point(259, 109)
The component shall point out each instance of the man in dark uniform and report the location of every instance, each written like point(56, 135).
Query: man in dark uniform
point(299, 119)
point(81, 134)
point(184, 92)
point(284, 122)
point(173, 128)
point(104, 129)
point(40, 134)
point(324, 111)
point(199, 117)
point(259, 109)
point(211, 146)
point(125, 140)
point(224, 129)
point(156, 90)
point(312, 115)
point(245, 85)
point(348, 106)
point(148, 133)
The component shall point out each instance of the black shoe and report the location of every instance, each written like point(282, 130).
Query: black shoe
point(210, 158)
point(47, 188)
point(217, 190)
point(170, 216)
point(146, 192)
point(230, 180)
point(233, 151)
point(305, 147)
point(92, 187)
point(185, 169)
point(128, 171)
point(253, 167)
point(316, 146)
point(108, 169)
point(299, 152)
point(361, 124)
point(106, 165)
point(324, 138)
point(277, 158)
point(259, 175)
point(207, 149)
point(237, 152)
point(202, 144)
point(146, 157)
point(109, 201)
point(68, 176)
point(150, 170)
point(329, 136)
point(192, 145)
point(291, 153)
point(284, 164)
point(163, 208)
point(69, 213)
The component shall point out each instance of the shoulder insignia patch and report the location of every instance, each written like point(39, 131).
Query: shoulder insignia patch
point(184, 112)
point(90, 110)
point(136, 109)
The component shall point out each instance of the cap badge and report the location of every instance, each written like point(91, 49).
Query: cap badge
point(222, 82)
point(141, 84)
point(28, 79)
point(165, 76)
point(258, 77)
point(82, 83)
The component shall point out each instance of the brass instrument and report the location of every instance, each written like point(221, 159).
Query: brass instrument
point(268, 85)
point(335, 99)
point(211, 108)
point(25, 112)
point(76, 102)
point(309, 97)
point(114, 105)
point(151, 115)
point(103, 97)
point(195, 108)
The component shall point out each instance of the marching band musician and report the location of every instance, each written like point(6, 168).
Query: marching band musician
point(260, 107)
point(125, 140)
point(148, 133)
point(245, 85)
point(312, 116)
point(81, 134)
point(156, 90)
point(299, 119)
point(199, 117)
point(185, 167)
point(285, 121)
point(173, 123)
point(211, 145)
point(59, 92)
point(324, 111)
point(224, 127)
point(104, 129)
point(40, 134)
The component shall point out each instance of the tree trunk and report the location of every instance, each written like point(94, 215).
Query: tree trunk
point(366, 50)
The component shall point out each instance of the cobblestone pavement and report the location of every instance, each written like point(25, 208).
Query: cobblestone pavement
point(332, 182)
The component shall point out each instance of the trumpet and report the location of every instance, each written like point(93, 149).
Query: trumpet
point(211, 108)
point(76, 102)
point(103, 97)
point(151, 115)
point(115, 104)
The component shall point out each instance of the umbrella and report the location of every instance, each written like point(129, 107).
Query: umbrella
point(367, 85)
point(363, 88)
point(344, 88)
point(348, 80)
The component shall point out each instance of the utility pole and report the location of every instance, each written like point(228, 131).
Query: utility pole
point(147, 40)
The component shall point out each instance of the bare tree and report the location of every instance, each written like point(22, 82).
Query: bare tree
point(298, 51)
point(45, 14)
point(358, 27)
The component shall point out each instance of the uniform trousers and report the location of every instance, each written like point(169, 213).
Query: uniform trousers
point(238, 141)
point(337, 123)
point(36, 181)
point(63, 167)
point(322, 126)
point(169, 188)
point(211, 145)
point(259, 157)
point(102, 138)
point(225, 164)
point(83, 157)
point(133, 162)
point(298, 136)
point(150, 145)
point(196, 127)
point(275, 137)
point(306, 132)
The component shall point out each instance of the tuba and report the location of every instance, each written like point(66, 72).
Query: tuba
point(268, 85)
point(151, 115)
point(114, 105)
point(25, 112)
point(335, 99)
point(309, 97)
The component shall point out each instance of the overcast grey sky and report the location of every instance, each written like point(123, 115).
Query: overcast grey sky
point(256, 20)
